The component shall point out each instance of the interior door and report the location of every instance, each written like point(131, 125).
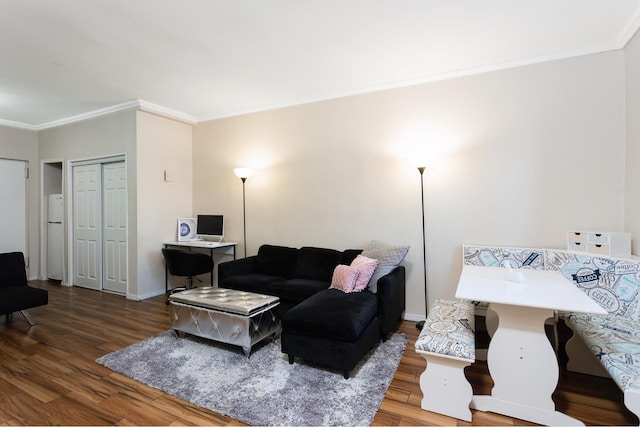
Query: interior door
point(87, 226)
point(115, 227)
point(13, 215)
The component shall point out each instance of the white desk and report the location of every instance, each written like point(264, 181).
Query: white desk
point(222, 247)
point(521, 360)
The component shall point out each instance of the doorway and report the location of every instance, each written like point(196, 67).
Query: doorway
point(52, 247)
point(100, 225)
point(13, 217)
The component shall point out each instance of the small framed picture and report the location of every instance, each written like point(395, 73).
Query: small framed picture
point(187, 228)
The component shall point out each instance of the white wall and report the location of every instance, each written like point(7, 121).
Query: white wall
point(104, 136)
point(514, 157)
point(19, 144)
point(162, 144)
point(632, 188)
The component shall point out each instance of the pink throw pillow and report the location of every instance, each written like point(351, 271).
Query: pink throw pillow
point(366, 266)
point(344, 278)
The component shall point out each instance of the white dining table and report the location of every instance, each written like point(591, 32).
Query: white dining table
point(521, 359)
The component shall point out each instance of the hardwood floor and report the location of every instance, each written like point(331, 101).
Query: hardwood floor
point(48, 374)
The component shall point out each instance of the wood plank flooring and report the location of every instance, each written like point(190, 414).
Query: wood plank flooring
point(48, 374)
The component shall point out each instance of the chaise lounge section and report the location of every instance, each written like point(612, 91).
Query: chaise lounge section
point(322, 324)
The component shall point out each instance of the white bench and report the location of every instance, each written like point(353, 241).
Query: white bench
point(447, 343)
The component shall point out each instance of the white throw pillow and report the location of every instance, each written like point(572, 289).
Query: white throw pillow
point(388, 256)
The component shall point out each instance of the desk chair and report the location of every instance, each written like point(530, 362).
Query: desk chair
point(186, 264)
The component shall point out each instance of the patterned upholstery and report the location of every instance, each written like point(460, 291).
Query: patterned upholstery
point(449, 329)
point(612, 283)
point(487, 256)
point(615, 341)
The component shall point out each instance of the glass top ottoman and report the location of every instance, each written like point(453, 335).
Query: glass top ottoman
point(225, 315)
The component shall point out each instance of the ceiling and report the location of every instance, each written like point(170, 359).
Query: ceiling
point(64, 60)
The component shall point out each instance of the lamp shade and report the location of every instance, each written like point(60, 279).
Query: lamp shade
point(243, 173)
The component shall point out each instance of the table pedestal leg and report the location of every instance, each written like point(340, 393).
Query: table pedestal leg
point(524, 368)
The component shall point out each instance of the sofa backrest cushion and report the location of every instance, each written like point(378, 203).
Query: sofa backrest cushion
point(317, 263)
point(12, 269)
point(276, 261)
point(611, 282)
point(348, 255)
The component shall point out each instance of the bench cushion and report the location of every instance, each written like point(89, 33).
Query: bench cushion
point(449, 329)
point(615, 341)
point(612, 283)
point(487, 256)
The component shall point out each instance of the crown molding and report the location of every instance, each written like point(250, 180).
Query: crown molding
point(18, 125)
point(629, 30)
point(166, 112)
point(89, 115)
point(137, 104)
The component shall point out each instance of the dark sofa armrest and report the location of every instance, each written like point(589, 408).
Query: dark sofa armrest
point(236, 267)
point(391, 300)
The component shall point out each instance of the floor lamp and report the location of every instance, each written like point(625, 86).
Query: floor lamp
point(243, 174)
point(420, 324)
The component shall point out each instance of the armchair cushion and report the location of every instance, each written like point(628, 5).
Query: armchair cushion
point(18, 298)
point(12, 269)
point(15, 295)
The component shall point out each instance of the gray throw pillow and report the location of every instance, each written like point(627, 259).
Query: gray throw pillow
point(388, 256)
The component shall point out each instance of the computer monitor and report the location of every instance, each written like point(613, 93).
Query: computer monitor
point(210, 227)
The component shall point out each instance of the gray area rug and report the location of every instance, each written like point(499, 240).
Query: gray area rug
point(264, 389)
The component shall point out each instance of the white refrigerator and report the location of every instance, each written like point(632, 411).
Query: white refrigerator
point(55, 242)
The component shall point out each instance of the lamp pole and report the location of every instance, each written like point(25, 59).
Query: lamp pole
point(420, 324)
point(243, 174)
point(244, 216)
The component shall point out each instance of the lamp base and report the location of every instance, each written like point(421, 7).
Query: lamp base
point(420, 325)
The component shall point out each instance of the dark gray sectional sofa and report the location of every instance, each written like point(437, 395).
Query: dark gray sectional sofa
point(319, 324)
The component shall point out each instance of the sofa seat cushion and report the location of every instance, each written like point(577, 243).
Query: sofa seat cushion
point(296, 289)
point(16, 298)
point(317, 263)
point(251, 282)
point(615, 341)
point(332, 314)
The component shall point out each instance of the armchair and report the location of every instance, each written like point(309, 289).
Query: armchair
point(15, 294)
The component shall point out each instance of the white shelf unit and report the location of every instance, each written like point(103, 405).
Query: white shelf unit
point(600, 243)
